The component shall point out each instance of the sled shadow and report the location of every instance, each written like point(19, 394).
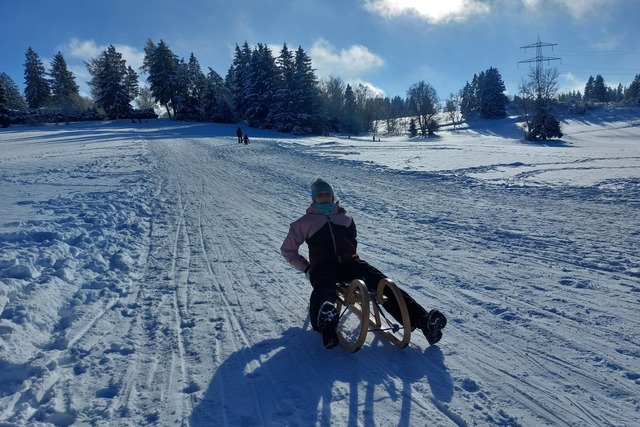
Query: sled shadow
point(292, 380)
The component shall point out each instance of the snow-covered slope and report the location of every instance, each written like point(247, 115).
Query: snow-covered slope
point(141, 281)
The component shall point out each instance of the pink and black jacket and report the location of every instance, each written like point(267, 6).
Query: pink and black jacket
point(330, 238)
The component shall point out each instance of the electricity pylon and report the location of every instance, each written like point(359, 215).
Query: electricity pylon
point(539, 59)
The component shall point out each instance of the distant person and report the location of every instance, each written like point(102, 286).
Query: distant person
point(246, 139)
point(330, 235)
point(239, 134)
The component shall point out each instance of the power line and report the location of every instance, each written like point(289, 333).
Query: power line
point(598, 53)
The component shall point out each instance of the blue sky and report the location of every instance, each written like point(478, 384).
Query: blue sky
point(387, 44)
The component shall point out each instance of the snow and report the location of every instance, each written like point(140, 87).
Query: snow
point(141, 281)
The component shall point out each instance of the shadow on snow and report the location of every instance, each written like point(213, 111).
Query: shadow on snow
point(281, 380)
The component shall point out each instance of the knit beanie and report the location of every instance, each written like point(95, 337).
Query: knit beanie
point(318, 187)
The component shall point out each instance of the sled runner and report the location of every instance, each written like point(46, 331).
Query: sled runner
point(361, 311)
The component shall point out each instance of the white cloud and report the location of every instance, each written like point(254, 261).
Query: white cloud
point(76, 52)
point(434, 11)
point(578, 9)
point(571, 82)
point(85, 50)
point(347, 63)
point(438, 11)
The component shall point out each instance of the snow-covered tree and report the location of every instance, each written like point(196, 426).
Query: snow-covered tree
point(145, 100)
point(163, 68)
point(217, 100)
point(15, 100)
point(191, 89)
point(296, 99)
point(37, 90)
point(113, 85)
point(282, 114)
point(261, 86)
point(305, 94)
point(64, 89)
point(238, 79)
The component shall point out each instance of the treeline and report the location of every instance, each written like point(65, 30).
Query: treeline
point(596, 90)
point(270, 91)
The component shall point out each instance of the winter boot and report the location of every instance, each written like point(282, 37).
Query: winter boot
point(327, 323)
point(431, 325)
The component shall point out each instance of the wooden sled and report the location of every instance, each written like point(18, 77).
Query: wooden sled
point(361, 312)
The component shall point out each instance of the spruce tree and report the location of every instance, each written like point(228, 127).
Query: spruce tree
point(599, 89)
point(305, 95)
point(413, 130)
point(543, 125)
point(163, 68)
point(4, 118)
point(484, 95)
point(282, 112)
point(492, 100)
point(632, 93)
point(15, 100)
point(538, 94)
point(113, 85)
point(350, 120)
point(63, 85)
point(37, 90)
point(3, 99)
point(261, 86)
point(467, 100)
point(589, 90)
point(238, 79)
point(196, 84)
point(217, 100)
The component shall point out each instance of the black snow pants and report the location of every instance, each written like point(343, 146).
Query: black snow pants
point(325, 276)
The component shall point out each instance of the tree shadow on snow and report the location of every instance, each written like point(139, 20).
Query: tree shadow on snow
point(292, 380)
point(550, 143)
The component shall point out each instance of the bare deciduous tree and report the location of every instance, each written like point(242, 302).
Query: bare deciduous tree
point(423, 104)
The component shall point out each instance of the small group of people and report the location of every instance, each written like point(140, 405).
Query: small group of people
point(241, 138)
point(330, 234)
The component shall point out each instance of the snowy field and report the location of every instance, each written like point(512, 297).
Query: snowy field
point(141, 282)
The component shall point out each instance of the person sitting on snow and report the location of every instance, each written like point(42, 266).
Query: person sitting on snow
point(330, 234)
